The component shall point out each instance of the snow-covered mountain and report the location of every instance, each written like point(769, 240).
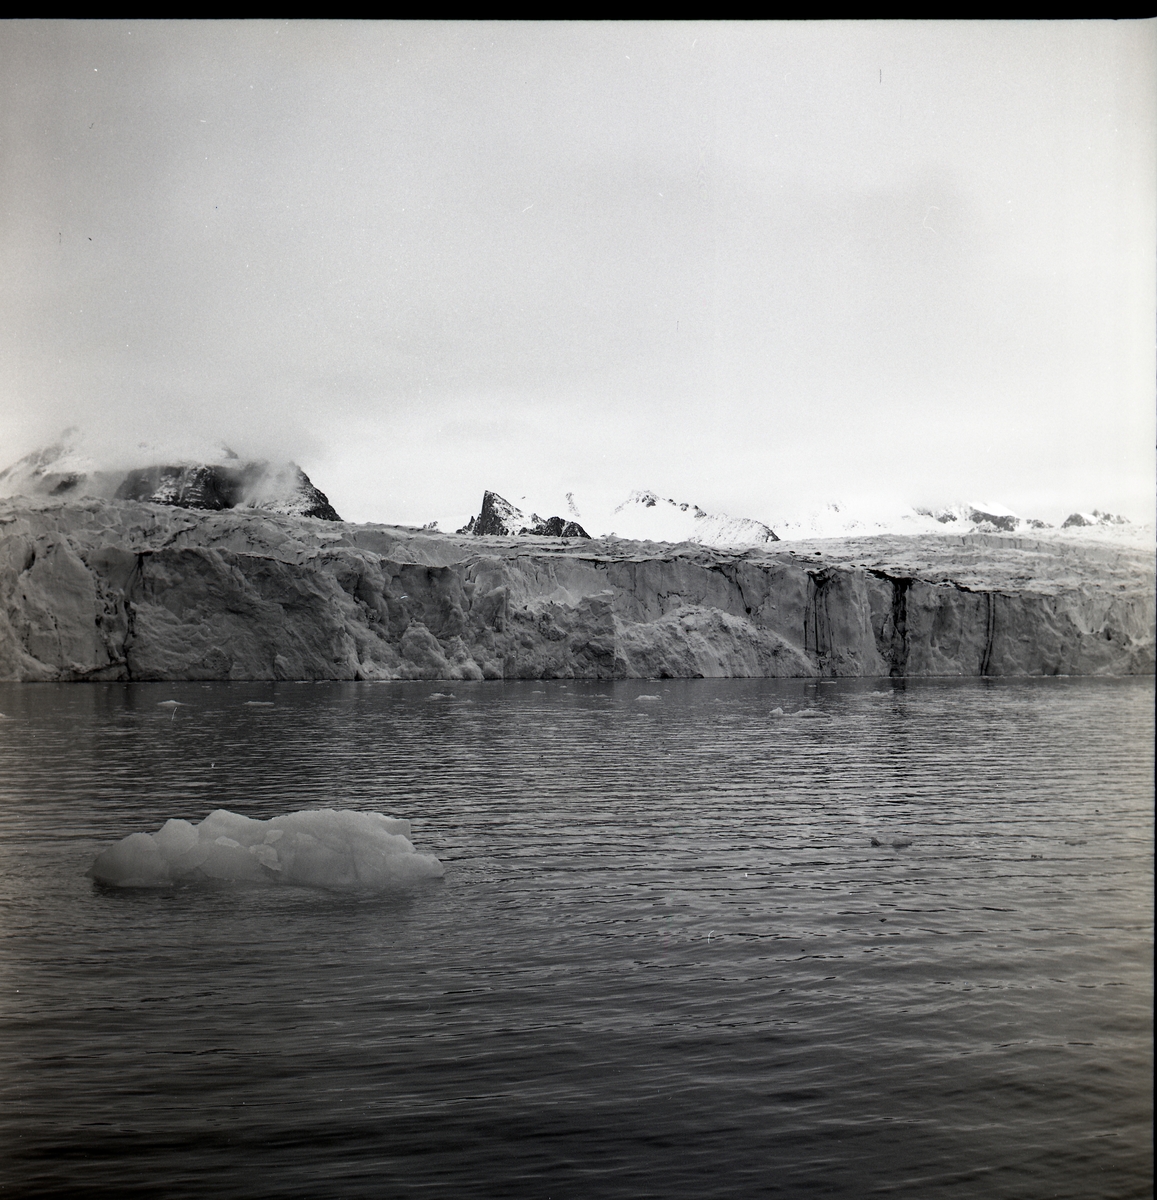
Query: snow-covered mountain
point(219, 480)
point(58, 470)
point(645, 516)
point(978, 516)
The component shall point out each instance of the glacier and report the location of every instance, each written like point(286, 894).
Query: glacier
point(108, 590)
point(336, 849)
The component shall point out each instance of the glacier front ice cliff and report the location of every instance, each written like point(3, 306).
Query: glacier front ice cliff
point(340, 850)
point(121, 590)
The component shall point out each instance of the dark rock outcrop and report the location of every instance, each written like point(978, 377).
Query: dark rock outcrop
point(500, 518)
point(981, 518)
point(121, 590)
point(1003, 522)
point(212, 488)
point(61, 470)
point(285, 489)
point(1096, 517)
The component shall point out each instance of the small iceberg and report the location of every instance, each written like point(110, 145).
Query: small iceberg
point(338, 849)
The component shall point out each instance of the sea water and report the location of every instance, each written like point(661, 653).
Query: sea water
point(665, 958)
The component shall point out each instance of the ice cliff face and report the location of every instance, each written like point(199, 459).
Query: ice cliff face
point(123, 590)
point(63, 471)
point(500, 518)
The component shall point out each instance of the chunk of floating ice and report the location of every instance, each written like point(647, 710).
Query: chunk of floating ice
point(646, 697)
point(809, 712)
point(259, 703)
point(326, 848)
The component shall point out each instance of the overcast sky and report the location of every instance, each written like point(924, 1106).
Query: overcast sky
point(753, 266)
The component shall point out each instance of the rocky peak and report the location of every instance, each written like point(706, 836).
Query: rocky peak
point(499, 518)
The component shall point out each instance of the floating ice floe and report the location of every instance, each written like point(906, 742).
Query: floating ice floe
point(327, 848)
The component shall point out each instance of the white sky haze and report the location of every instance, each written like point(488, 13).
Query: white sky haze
point(753, 266)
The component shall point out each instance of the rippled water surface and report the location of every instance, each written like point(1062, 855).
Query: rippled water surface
point(665, 959)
